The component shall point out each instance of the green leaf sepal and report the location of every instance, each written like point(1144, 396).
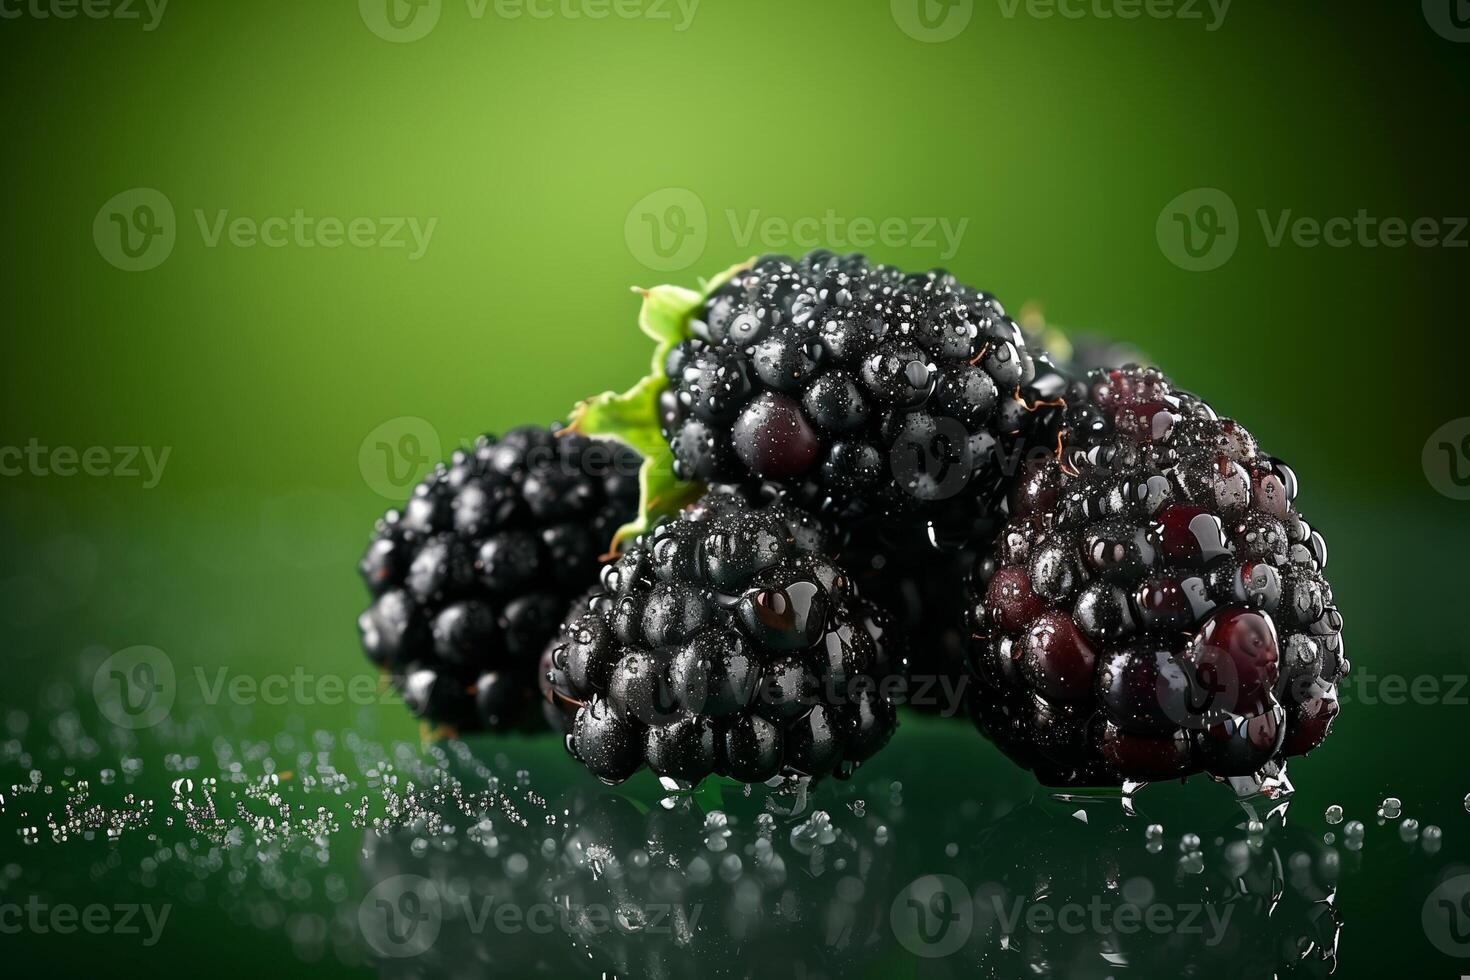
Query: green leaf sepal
point(631, 416)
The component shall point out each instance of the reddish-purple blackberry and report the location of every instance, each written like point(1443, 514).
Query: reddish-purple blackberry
point(470, 580)
point(726, 641)
point(1156, 605)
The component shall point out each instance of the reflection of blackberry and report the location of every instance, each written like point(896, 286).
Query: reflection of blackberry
point(1219, 901)
point(726, 641)
point(1156, 606)
point(872, 389)
point(470, 579)
point(729, 893)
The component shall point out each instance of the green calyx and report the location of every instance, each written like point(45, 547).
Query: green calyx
point(631, 416)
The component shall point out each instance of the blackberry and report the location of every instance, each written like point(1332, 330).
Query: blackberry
point(862, 390)
point(726, 641)
point(1156, 605)
point(471, 578)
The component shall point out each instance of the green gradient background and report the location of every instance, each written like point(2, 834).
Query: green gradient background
point(529, 140)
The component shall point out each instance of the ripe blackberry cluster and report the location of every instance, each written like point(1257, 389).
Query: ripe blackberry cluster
point(471, 578)
point(870, 390)
point(1156, 605)
point(726, 640)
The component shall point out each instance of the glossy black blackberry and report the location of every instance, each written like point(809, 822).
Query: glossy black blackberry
point(1156, 605)
point(855, 385)
point(726, 641)
point(471, 578)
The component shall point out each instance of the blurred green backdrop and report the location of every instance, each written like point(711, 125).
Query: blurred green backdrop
point(550, 162)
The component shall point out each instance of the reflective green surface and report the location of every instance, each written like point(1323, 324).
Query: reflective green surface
point(438, 238)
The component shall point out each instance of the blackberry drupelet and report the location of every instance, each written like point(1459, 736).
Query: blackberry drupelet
point(726, 641)
point(867, 390)
point(470, 580)
point(1156, 606)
